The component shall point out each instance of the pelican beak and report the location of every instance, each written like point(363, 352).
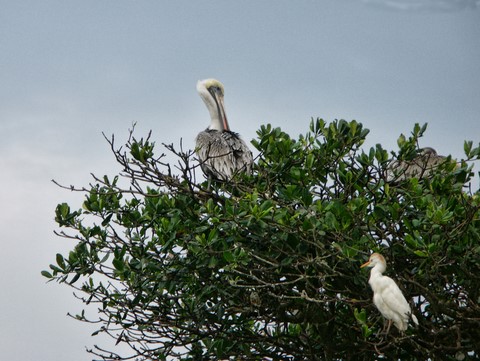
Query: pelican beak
point(218, 97)
point(221, 111)
point(365, 264)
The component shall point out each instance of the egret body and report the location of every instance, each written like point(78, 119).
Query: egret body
point(387, 297)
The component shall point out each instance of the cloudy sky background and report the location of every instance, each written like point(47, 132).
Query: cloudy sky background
point(70, 70)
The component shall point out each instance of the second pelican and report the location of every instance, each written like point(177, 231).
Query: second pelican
point(422, 166)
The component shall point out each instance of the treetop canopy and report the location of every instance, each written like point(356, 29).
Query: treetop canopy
point(266, 266)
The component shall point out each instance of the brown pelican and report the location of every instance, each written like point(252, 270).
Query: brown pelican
point(222, 153)
point(422, 166)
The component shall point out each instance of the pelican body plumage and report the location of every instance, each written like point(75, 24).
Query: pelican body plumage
point(422, 166)
point(387, 296)
point(222, 153)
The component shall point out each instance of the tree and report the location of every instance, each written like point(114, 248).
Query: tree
point(267, 266)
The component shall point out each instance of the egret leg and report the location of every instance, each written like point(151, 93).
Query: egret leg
point(389, 324)
point(384, 328)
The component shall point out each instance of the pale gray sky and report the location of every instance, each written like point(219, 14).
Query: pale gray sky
point(72, 69)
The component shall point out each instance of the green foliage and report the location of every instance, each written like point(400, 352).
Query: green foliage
point(267, 266)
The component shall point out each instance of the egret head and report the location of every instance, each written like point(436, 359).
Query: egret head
point(375, 259)
point(212, 93)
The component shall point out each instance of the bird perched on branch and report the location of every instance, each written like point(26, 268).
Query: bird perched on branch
point(222, 153)
point(422, 166)
point(387, 296)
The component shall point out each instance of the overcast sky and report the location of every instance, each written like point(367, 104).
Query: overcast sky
point(72, 69)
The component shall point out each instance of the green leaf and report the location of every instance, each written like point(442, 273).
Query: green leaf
point(74, 279)
point(46, 274)
point(420, 253)
point(119, 264)
point(60, 261)
point(228, 256)
point(467, 147)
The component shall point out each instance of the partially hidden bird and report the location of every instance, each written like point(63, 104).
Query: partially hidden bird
point(221, 152)
point(421, 166)
point(387, 296)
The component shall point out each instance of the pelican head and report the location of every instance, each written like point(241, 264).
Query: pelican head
point(212, 92)
point(428, 151)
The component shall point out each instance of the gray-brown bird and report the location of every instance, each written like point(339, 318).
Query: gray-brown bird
point(222, 153)
point(422, 166)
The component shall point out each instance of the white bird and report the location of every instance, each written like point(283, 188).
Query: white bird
point(222, 153)
point(422, 166)
point(387, 296)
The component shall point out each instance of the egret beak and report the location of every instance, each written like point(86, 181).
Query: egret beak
point(365, 264)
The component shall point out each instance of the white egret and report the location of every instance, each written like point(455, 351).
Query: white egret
point(387, 297)
point(422, 166)
point(222, 153)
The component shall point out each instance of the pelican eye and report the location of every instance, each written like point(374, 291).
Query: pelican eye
point(215, 89)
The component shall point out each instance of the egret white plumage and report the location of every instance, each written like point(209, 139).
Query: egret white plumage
point(222, 153)
point(422, 166)
point(387, 297)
